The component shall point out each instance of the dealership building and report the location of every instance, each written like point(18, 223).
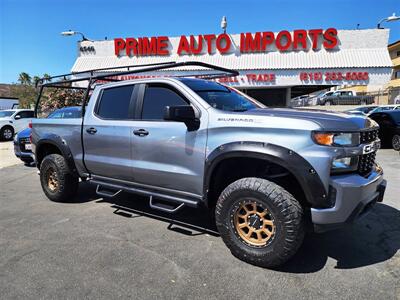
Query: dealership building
point(274, 66)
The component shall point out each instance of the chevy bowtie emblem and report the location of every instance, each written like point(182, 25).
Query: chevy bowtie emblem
point(371, 147)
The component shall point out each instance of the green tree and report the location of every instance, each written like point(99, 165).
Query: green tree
point(47, 77)
point(26, 94)
point(25, 78)
point(35, 79)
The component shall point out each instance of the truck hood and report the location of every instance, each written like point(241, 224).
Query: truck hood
point(326, 120)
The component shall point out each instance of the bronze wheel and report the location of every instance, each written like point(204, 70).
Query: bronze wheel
point(259, 221)
point(52, 179)
point(58, 182)
point(254, 223)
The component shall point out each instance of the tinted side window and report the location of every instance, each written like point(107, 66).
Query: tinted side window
point(25, 114)
point(156, 98)
point(30, 114)
point(114, 103)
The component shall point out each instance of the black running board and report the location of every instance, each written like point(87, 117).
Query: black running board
point(171, 209)
point(172, 205)
point(108, 193)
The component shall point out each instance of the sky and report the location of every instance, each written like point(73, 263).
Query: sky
point(30, 39)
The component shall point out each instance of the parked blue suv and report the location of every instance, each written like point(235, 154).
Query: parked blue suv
point(22, 142)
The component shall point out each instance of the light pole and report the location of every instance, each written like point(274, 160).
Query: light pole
point(224, 24)
point(388, 19)
point(71, 32)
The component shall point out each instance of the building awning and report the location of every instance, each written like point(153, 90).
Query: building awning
point(350, 58)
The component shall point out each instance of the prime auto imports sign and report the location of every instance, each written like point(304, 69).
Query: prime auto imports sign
point(298, 40)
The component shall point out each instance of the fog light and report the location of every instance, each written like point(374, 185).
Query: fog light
point(341, 163)
point(344, 164)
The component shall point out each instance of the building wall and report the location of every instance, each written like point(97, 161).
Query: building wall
point(394, 52)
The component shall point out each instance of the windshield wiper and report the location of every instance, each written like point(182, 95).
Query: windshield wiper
point(240, 110)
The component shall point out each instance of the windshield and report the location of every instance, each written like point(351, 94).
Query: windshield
point(321, 94)
point(6, 113)
point(382, 108)
point(222, 97)
point(362, 109)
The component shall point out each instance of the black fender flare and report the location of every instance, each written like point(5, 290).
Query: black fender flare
point(301, 169)
point(58, 142)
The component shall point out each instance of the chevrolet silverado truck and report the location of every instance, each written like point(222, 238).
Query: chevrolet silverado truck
point(266, 173)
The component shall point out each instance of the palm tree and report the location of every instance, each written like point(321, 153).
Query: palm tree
point(24, 78)
point(35, 79)
point(46, 77)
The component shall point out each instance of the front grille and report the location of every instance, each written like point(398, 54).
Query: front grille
point(368, 136)
point(366, 163)
point(22, 142)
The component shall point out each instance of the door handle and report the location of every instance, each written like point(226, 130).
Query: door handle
point(140, 132)
point(91, 130)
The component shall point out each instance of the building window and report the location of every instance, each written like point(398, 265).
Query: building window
point(397, 53)
point(397, 74)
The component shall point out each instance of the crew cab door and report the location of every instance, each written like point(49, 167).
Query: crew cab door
point(107, 133)
point(166, 154)
point(22, 119)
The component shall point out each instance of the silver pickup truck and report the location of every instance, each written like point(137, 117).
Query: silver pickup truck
point(265, 173)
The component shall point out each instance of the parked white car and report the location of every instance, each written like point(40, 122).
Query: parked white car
point(14, 120)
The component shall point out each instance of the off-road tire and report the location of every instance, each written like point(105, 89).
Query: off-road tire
point(67, 183)
point(2, 133)
point(396, 142)
point(285, 209)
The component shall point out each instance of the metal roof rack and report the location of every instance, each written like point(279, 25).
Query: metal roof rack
point(146, 68)
point(92, 78)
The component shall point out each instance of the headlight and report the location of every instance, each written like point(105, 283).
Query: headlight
point(369, 123)
point(344, 164)
point(336, 138)
point(16, 138)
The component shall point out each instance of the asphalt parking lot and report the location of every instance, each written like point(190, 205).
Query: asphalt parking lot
point(99, 248)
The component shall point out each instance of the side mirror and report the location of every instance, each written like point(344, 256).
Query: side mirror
point(17, 117)
point(182, 113)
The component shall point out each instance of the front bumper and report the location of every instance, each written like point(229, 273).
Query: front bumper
point(27, 157)
point(353, 195)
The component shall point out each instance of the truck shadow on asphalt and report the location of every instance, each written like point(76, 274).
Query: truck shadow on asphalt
point(187, 221)
point(371, 240)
